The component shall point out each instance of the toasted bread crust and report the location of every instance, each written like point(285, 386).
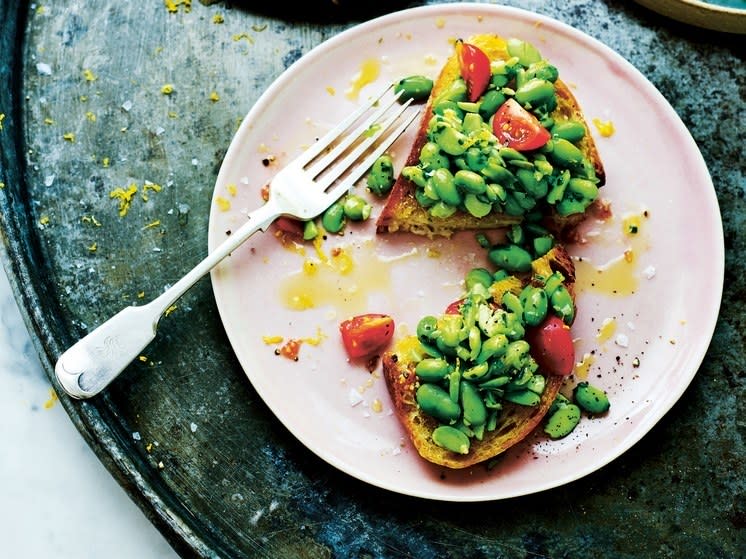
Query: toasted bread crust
point(402, 212)
point(516, 421)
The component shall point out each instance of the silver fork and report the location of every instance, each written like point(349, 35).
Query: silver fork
point(303, 189)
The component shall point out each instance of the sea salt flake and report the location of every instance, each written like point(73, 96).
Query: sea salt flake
point(136, 436)
point(649, 272)
point(355, 397)
point(44, 69)
point(193, 427)
point(127, 105)
point(622, 340)
point(49, 180)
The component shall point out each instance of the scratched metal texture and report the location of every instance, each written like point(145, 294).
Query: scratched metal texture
point(240, 485)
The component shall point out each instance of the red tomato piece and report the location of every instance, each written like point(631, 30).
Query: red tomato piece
point(290, 226)
point(366, 334)
point(455, 307)
point(475, 69)
point(552, 347)
point(517, 128)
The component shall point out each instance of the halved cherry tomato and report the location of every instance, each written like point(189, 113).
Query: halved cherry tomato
point(366, 334)
point(290, 226)
point(551, 346)
point(517, 128)
point(475, 69)
point(455, 307)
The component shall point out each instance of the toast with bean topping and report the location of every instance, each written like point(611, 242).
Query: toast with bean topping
point(498, 423)
point(496, 185)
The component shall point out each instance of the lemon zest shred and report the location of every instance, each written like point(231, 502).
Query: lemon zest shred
point(605, 128)
point(89, 75)
point(271, 340)
point(223, 204)
point(49, 404)
point(167, 89)
point(69, 137)
point(125, 197)
point(169, 310)
point(152, 224)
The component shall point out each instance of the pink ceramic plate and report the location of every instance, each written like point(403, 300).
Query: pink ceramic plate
point(643, 323)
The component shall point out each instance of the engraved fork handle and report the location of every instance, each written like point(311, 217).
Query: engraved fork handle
point(95, 360)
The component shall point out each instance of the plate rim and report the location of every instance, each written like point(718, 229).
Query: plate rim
point(468, 8)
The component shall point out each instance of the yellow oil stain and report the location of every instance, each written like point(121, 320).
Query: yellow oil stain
point(342, 281)
point(583, 366)
point(620, 275)
point(369, 71)
point(608, 327)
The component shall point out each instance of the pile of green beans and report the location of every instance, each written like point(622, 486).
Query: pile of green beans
point(476, 360)
point(462, 166)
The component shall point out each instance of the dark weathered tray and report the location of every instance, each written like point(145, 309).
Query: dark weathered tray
point(182, 430)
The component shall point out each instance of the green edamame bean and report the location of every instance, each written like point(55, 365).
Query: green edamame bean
point(569, 206)
point(431, 157)
point(526, 53)
point(436, 402)
point(472, 122)
point(511, 302)
point(511, 258)
point(469, 181)
point(422, 199)
point(426, 327)
point(450, 107)
point(537, 188)
point(442, 210)
point(381, 175)
point(477, 371)
point(495, 192)
point(559, 402)
point(454, 383)
point(558, 189)
point(583, 188)
point(562, 421)
point(356, 208)
point(472, 406)
point(515, 353)
point(310, 231)
point(432, 369)
point(414, 174)
point(510, 154)
point(543, 244)
point(535, 93)
point(450, 140)
point(523, 398)
point(565, 153)
point(494, 346)
point(451, 439)
point(333, 219)
point(562, 304)
point(445, 187)
point(543, 70)
point(535, 305)
point(537, 384)
point(414, 87)
point(570, 130)
point(475, 159)
point(553, 282)
point(475, 206)
point(478, 276)
point(491, 102)
point(590, 398)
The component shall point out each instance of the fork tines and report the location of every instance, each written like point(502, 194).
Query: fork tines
point(345, 154)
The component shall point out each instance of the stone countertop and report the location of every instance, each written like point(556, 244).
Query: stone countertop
point(678, 492)
point(57, 498)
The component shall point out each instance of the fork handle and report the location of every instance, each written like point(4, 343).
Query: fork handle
point(95, 360)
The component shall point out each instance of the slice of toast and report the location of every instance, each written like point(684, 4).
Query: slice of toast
point(402, 211)
point(516, 421)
